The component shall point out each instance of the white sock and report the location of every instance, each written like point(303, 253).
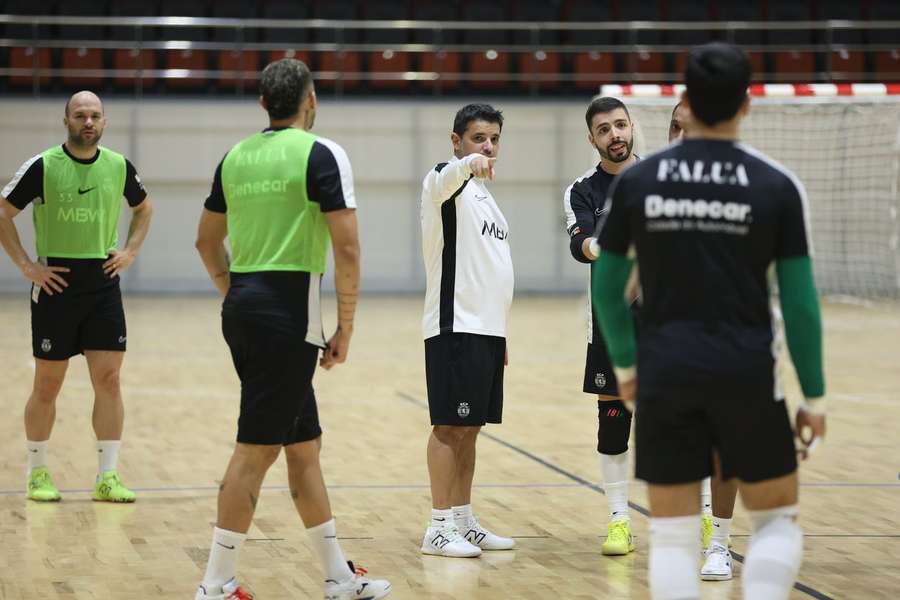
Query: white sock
point(463, 515)
point(441, 517)
point(721, 531)
point(223, 555)
point(614, 471)
point(674, 546)
point(324, 540)
point(774, 555)
point(107, 455)
point(706, 497)
point(37, 454)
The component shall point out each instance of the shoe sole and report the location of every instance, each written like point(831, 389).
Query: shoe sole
point(711, 577)
point(113, 500)
point(44, 499)
point(431, 552)
point(617, 553)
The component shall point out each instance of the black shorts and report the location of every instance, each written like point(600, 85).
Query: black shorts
point(278, 404)
point(599, 377)
point(87, 315)
point(677, 429)
point(464, 374)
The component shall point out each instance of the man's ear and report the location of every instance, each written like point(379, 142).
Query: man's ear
point(455, 140)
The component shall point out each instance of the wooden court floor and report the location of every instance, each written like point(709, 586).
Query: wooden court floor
point(536, 477)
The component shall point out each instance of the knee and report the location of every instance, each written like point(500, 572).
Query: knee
point(613, 427)
point(256, 457)
point(303, 452)
point(454, 436)
point(46, 389)
point(106, 380)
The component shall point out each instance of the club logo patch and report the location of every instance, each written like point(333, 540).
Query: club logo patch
point(600, 380)
point(46, 345)
point(463, 410)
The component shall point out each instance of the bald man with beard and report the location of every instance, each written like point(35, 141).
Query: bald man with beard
point(76, 192)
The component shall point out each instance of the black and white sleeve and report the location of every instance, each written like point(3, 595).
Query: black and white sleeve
point(134, 192)
point(27, 185)
point(329, 177)
point(215, 202)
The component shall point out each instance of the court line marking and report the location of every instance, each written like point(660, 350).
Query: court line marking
point(584, 482)
point(284, 488)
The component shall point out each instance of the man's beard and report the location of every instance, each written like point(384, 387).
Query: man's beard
point(77, 139)
point(607, 155)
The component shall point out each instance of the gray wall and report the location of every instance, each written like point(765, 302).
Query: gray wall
point(846, 151)
point(176, 146)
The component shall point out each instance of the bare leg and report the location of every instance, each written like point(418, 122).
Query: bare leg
point(40, 411)
point(465, 468)
point(109, 411)
point(239, 490)
point(724, 492)
point(442, 465)
point(307, 483)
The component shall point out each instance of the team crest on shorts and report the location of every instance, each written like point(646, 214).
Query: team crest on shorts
point(463, 410)
point(46, 345)
point(600, 380)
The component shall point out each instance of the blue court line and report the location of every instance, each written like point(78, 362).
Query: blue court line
point(584, 482)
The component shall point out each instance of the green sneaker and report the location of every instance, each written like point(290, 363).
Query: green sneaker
point(109, 488)
point(40, 486)
point(619, 540)
point(706, 531)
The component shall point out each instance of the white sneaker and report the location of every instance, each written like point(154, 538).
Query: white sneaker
point(717, 566)
point(229, 591)
point(359, 587)
point(448, 541)
point(484, 539)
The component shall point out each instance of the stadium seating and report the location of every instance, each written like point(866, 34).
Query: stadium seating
point(642, 61)
point(591, 68)
point(598, 56)
point(537, 67)
point(687, 10)
point(390, 60)
point(886, 62)
point(82, 57)
point(28, 57)
point(845, 64)
point(188, 58)
point(727, 10)
point(296, 37)
point(333, 66)
point(792, 64)
point(489, 68)
point(126, 59)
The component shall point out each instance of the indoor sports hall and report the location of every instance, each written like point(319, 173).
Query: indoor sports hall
point(179, 84)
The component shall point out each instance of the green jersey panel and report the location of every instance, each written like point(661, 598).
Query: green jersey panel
point(79, 214)
point(272, 224)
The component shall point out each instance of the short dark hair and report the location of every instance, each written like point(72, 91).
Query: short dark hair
point(717, 77)
point(603, 104)
point(283, 85)
point(475, 112)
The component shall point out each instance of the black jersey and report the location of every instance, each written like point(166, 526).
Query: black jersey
point(707, 219)
point(584, 203)
point(585, 206)
point(27, 184)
